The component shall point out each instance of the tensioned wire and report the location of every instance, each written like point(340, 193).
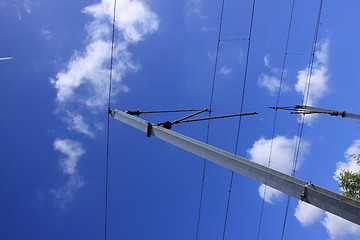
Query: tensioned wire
point(276, 111)
point(241, 110)
point(108, 125)
point(304, 101)
point(208, 126)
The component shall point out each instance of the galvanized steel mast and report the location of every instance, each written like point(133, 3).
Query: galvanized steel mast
point(322, 198)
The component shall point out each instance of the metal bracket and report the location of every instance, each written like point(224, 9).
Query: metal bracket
point(303, 195)
point(149, 130)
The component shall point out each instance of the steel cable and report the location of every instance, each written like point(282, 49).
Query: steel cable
point(208, 126)
point(241, 110)
point(108, 125)
point(275, 114)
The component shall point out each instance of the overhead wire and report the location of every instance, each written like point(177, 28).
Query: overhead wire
point(208, 126)
point(234, 39)
point(241, 110)
point(108, 124)
point(276, 112)
point(304, 100)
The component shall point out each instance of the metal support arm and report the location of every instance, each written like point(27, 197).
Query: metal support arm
point(329, 201)
point(302, 109)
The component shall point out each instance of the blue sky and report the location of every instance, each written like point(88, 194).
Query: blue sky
point(54, 69)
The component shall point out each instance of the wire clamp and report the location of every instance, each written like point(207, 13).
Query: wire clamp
point(337, 113)
point(166, 124)
point(111, 113)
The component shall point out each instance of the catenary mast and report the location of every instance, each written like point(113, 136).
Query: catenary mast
point(322, 198)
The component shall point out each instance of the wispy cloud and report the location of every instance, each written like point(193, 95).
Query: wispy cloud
point(282, 157)
point(83, 82)
point(65, 194)
point(85, 79)
point(319, 79)
point(271, 81)
point(24, 6)
point(267, 61)
point(225, 71)
point(47, 35)
point(76, 122)
point(194, 8)
point(27, 6)
point(72, 151)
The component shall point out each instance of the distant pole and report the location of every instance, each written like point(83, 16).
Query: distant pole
point(322, 198)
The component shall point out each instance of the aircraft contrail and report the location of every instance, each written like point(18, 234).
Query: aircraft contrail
point(6, 58)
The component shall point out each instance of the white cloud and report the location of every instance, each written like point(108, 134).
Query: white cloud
point(319, 79)
point(225, 71)
point(307, 214)
point(72, 151)
point(318, 85)
point(68, 165)
point(76, 122)
point(339, 228)
point(86, 76)
point(282, 157)
point(133, 18)
point(89, 69)
point(350, 162)
point(271, 82)
point(270, 194)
